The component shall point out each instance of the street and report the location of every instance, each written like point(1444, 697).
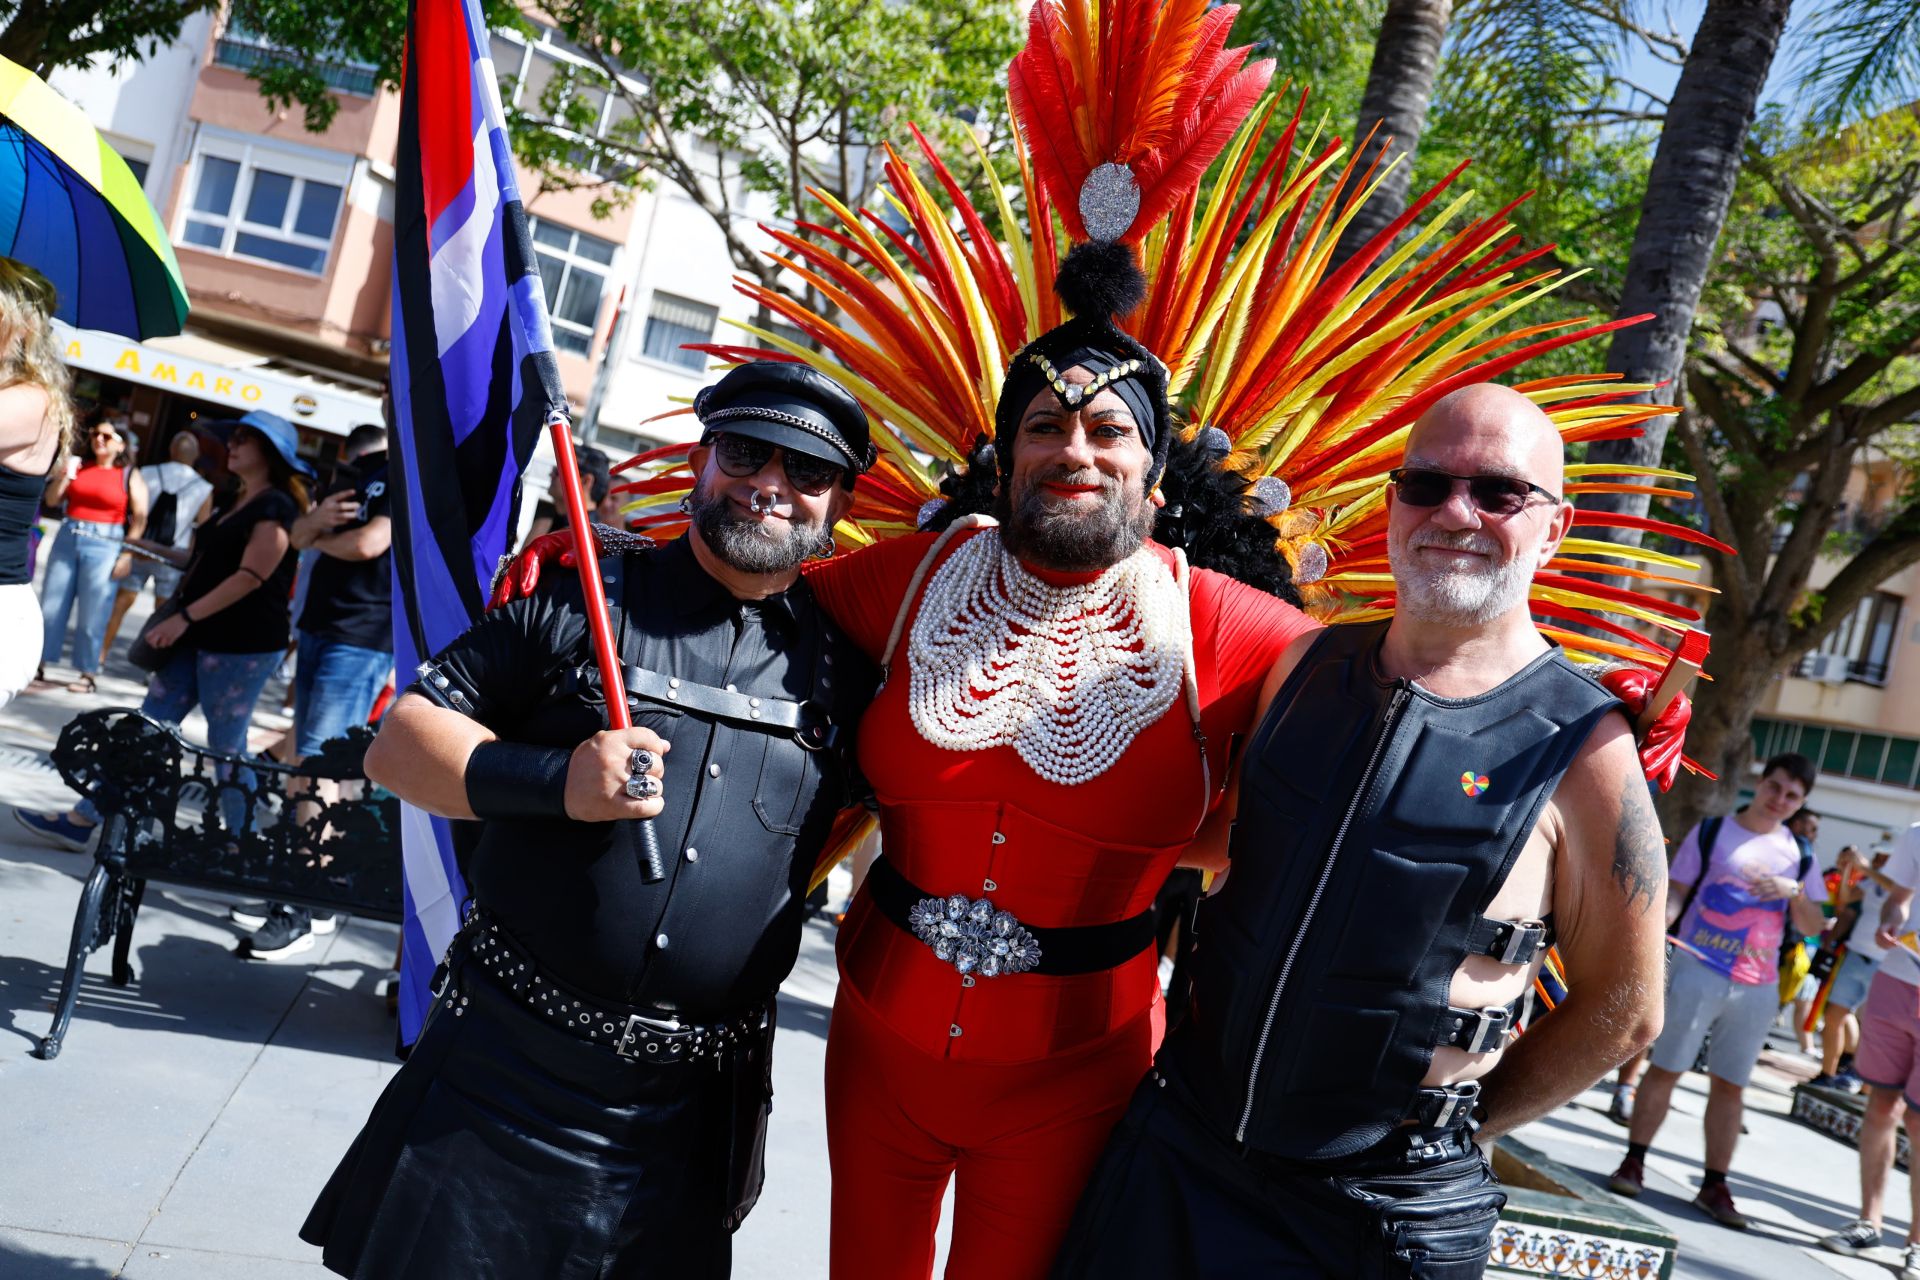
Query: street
point(191, 1118)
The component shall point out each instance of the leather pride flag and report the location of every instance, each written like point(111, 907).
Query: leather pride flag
point(473, 380)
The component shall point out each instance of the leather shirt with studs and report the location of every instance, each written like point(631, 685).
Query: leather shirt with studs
point(748, 807)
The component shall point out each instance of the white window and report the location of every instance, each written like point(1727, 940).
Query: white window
point(525, 69)
point(1864, 638)
point(272, 204)
point(573, 268)
point(673, 322)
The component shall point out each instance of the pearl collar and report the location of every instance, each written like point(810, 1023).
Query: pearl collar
point(1065, 675)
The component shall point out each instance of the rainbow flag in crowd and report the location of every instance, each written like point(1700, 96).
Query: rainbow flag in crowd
point(473, 381)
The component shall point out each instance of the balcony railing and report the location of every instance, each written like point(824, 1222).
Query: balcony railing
point(249, 55)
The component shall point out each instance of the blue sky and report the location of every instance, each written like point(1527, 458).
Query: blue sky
point(1683, 16)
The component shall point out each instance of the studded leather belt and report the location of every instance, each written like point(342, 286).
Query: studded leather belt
point(977, 937)
point(642, 1033)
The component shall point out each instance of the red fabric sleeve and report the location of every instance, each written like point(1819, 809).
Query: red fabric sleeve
point(1247, 631)
point(861, 590)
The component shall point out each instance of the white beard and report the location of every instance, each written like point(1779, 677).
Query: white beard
point(1457, 597)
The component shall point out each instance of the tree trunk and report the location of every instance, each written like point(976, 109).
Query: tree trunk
point(1399, 90)
point(1720, 736)
point(1688, 190)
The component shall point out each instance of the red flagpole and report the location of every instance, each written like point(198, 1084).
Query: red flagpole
point(587, 560)
point(599, 625)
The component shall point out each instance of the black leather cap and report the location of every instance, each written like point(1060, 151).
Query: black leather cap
point(791, 405)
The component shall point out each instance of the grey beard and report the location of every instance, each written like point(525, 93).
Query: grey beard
point(1456, 599)
point(746, 545)
point(1065, 540)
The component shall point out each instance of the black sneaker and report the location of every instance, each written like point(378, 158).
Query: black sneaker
point(285, 934)
point(1823, 1081)
point(1852, 1240)
point(250, 915)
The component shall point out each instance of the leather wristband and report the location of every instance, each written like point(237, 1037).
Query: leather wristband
point(515, 780)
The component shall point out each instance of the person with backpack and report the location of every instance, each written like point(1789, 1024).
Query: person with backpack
point(179, 498)
point(1736, 885)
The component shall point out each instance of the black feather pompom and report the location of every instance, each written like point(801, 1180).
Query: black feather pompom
point(1214, 514)
point(965, 492)
point(1100, 280)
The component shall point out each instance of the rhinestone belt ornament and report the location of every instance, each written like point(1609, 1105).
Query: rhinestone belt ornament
point(974, 936)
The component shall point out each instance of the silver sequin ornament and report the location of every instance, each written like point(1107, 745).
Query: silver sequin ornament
point(1271, 496)
point(1312, 564)
point(1108, 201)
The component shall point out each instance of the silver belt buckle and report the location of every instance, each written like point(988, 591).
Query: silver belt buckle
point(1459, 1098)
point(1528, 936)
point(974, 936)
point(1494, 1022)
point(624, 1046)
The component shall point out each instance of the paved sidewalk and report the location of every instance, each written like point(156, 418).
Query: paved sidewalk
point(192, 1116)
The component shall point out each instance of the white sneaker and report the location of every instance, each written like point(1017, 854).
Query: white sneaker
point(1910, 1264)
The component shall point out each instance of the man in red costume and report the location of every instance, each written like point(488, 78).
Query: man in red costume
point(1057, 720)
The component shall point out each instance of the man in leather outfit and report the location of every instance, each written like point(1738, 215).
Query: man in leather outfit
point(1426, 804)
point(588, 1098)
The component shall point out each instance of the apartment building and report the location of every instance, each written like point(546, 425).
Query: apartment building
point(285, 241)
point(1853, 705)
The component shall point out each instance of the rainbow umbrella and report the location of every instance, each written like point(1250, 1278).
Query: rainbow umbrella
point(71, 209)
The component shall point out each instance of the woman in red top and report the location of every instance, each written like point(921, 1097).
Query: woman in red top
point(106, 504)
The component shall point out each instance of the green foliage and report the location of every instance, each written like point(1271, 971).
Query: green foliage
point(726, 101)
point(48, 34)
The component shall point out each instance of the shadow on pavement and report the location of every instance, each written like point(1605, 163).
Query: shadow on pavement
point(803, 1016)
point(344, 1018)
point(17, 1262)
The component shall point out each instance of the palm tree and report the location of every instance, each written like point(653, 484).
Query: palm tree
point(1393, 110)
point(1688, 190)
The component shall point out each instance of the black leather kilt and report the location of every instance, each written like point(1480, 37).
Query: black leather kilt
point(1173, 1200)
point(506, 1147)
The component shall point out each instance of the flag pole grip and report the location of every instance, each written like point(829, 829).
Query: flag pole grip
point(599, 626)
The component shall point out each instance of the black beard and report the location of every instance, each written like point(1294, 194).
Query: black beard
point(1065, 539)
point(743, 544)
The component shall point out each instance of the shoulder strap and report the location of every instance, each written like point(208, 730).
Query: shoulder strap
point(939, 544)
point(1190, 685)
point(1709, 833)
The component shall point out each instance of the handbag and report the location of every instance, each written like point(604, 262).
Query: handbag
point(147, 656)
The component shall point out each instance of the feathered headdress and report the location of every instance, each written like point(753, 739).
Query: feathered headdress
point(1309, 375)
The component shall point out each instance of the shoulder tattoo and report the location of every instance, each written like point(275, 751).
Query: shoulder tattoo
point(1639, 861)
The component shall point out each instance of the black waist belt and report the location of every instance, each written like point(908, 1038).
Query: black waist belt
point(643, 1033)
point(976, 937)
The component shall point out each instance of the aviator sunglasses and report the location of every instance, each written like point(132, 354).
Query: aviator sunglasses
point(742, 456)
point(1494, 495)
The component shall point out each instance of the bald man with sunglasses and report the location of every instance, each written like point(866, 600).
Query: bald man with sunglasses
point(1425, 805)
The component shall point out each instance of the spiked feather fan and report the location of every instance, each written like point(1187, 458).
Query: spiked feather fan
point(1311, 375)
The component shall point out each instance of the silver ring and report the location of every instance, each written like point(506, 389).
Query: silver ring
point(640, 761)
point(643, 786)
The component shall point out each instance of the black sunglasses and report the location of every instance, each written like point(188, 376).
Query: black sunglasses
point(742, 456)
point(1494, 495)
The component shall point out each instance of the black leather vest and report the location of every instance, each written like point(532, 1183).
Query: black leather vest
point(1376, 823)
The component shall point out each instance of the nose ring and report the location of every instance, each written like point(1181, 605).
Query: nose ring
point(760, 502)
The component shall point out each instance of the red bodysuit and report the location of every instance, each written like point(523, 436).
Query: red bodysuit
point(1015, 1082)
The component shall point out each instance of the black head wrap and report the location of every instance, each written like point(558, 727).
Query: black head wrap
point(1099, 282)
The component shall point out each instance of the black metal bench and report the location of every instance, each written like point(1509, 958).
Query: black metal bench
point(183, 815)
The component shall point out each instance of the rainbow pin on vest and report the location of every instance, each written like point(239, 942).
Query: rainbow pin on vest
point(1473, 783)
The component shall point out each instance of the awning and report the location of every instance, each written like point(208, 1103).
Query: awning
point(203, 369)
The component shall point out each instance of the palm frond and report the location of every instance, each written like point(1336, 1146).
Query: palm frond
point(1860, 57)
